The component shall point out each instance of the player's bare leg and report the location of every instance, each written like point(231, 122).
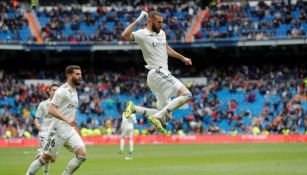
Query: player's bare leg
point(47, 166)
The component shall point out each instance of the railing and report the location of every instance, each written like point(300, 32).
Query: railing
point(119, 45)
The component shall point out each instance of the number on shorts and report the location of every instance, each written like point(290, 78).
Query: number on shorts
point(52, 142)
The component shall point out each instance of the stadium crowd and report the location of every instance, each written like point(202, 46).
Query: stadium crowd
point(282, 88)
point(105, 22)
point(12, 20)
point(253, 21)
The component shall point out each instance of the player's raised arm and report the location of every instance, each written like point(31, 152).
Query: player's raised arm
point(171, 52)
point(127, 33)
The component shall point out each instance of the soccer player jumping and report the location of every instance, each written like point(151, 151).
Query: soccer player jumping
point(161, 82)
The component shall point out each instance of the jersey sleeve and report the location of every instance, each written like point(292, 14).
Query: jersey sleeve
point(137, 36)
point(40, 111)
point(58, 97)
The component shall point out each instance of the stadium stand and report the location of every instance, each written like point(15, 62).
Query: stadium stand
point(235, 101)
point(102, 24)
point(255, 20)
point(13, 25)
point(99, 24)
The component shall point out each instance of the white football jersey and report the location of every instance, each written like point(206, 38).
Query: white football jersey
point(66, 100)
point(127, 123)
point(153, 47)
point(44, 117)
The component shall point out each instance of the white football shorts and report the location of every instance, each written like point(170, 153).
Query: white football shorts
point(163, 84)
point(55, 141)
point(127, 132)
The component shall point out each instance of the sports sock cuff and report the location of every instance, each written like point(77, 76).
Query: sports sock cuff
point(42, 162)
point(81, 158)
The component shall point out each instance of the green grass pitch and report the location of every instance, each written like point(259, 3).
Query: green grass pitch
point(197, 159)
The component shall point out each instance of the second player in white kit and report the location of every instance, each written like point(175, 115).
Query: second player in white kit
point(43, 121)
point(127, 128)
point(60, 132)
point(162, 83)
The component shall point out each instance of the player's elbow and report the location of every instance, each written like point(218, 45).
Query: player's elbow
point(124, 37)
point(127, 36)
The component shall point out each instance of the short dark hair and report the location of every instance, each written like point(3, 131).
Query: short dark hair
point(49, 88)
point(53, 86)
point(70, 69)
point(153, 14)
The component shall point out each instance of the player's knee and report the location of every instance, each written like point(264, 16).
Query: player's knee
point(46, 158)
point(81, 151)
point(81, 154)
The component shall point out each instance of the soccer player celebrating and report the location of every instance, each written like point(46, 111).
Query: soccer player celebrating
point(127, 131)
point(42, 121)
point(156, 50)
point(63, 108)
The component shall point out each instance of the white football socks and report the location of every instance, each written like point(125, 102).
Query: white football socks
point(131, 145)
point(35, 166)
point(174, 104)
point(122, 144)
point(73, 165)
point(145, 111)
